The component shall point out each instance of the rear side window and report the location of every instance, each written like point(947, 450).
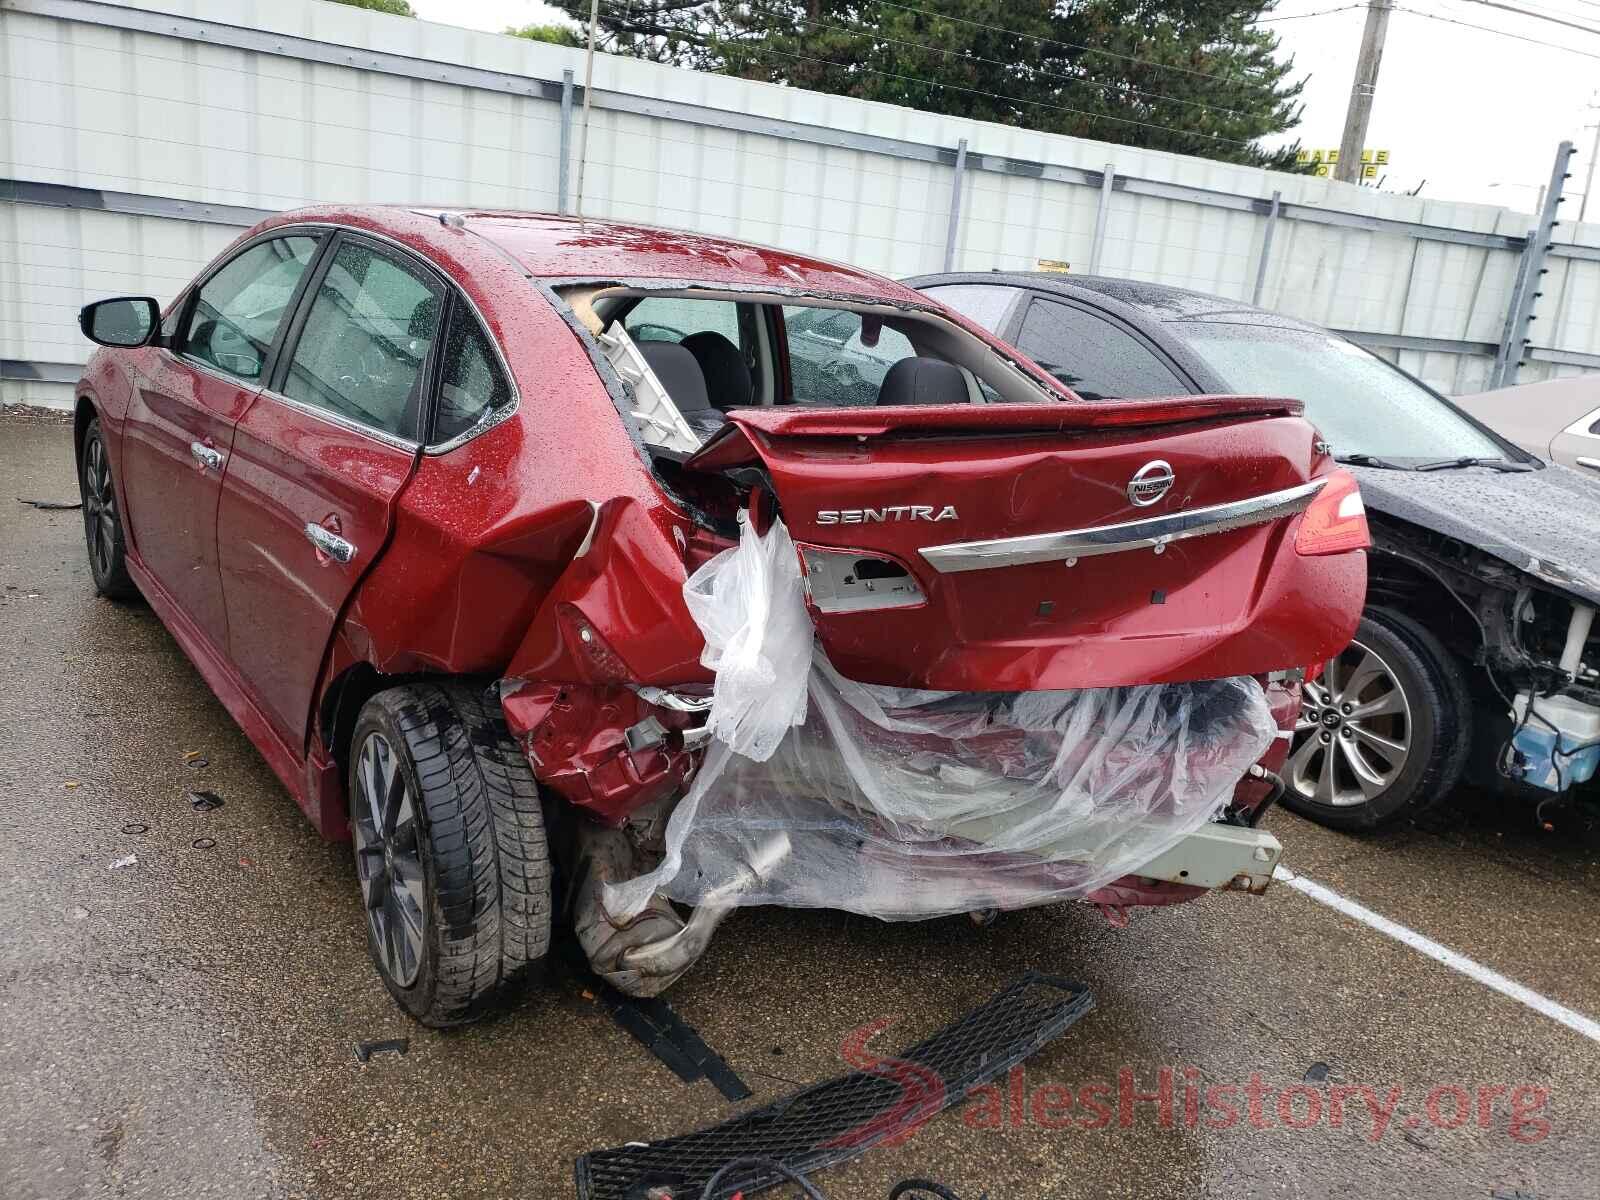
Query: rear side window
point(830, 363)
point(473, 386)
point(237, 313)
point(365, 343)
point(1091, 355)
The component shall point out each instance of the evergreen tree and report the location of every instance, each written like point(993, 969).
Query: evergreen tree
point(395, 8)
point(558, 35)
point(1190, 76)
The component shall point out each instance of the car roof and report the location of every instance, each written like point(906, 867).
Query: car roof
point(1134, 299)
point(555, 247)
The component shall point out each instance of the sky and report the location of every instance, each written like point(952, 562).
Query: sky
point(1467, 114)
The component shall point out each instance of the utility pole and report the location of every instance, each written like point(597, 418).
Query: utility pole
point(588, 88)
point(1594, 153)
point(1348, 168)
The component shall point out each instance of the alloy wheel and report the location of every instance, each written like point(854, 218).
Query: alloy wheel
point(1354, 732)
point(389, 859)
point(99, 508)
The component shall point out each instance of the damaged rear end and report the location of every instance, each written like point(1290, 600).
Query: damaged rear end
point(919, 659)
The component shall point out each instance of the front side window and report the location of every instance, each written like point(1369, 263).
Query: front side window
point(837, 360)
point(364, 348)
point(239, 309)
point(472, 385)
point(1092, 356)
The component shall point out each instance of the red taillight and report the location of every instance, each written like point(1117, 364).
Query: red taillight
point(1336, 520)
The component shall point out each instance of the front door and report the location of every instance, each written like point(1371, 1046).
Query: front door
point(182, 416)
point(317, 463)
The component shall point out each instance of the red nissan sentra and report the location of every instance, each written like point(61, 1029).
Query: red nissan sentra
point(488, 528)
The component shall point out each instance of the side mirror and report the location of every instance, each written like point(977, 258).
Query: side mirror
point(123, 321)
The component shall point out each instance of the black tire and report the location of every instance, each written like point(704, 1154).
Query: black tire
point(1435, 727)
point(102, 522)
point(480, 882)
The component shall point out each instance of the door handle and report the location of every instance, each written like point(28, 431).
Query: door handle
point(330, 543)
point(207, 456)
point(1592, 463)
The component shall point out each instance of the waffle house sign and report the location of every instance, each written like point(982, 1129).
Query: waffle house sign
point(1326, 160)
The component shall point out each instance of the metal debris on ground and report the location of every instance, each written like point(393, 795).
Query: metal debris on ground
point(365, 1050)
point(51, 505)
point(204, 843)
point(126, 861)
point(1317, 1072)
point(840, 1118)
point(205, 801)
point(655, 1025)
point(134, 828)
point(196, 762)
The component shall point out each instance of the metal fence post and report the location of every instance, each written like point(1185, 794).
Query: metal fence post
point(566, 142)
point(955, 206)
point(1266, 250)
point(1514, 341)
point(1107, 182)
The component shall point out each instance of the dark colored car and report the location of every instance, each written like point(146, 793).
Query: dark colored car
point(1477, 651)
point(419, 494)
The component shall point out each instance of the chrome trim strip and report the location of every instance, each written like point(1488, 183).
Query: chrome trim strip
point(1151, 533)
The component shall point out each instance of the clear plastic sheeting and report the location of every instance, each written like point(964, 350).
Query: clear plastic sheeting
point(903, 804)
point(750, 604)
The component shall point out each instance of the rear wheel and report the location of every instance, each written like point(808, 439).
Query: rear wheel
point(102, 523)
point(1383, 733)
point(450, 852)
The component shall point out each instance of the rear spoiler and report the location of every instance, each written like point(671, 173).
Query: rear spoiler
point(729, 446)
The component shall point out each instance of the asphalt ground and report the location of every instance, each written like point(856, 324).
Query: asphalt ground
point(184, 1026)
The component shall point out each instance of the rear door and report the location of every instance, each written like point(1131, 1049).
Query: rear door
point(318, 461)
point(1578, 445)
point(182, 416)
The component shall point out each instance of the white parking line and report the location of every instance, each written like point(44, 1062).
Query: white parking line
point(1575, 1021)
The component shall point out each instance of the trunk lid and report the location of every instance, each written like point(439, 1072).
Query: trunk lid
point(1006, 547)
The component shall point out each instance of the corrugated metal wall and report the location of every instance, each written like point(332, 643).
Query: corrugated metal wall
point(154, 109)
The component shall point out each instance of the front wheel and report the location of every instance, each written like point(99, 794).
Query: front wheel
point(1383, 734)
point(450, 852)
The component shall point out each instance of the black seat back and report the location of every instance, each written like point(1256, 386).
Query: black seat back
point(919, 380)
point(727, 374)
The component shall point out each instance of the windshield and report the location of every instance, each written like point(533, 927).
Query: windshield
point(1360, 403)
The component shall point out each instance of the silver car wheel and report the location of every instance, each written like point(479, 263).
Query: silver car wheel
point(389, 859)
point(1354, 733)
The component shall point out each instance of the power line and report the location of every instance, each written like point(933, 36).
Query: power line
point(1537, 16)
point(1417, 12)
point(1302, 16)
point(1134, 58)
point(617, 6)
point(1103, 87)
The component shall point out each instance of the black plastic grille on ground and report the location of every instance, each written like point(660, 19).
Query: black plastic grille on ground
point(829, 1122)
